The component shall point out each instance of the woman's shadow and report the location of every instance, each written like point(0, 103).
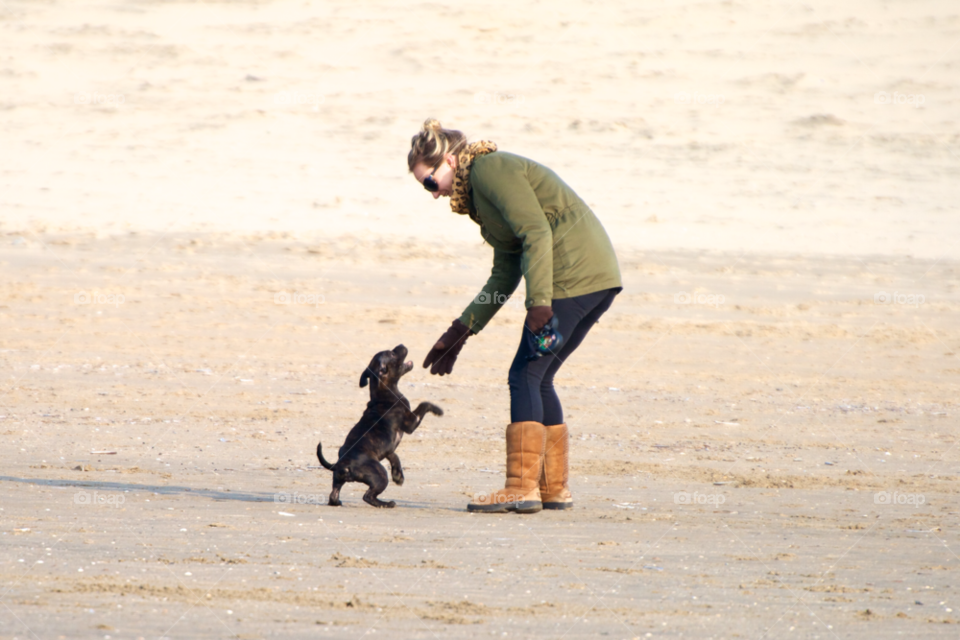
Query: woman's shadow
point(279, 497)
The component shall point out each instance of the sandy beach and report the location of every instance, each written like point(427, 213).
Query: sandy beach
point(208, 229)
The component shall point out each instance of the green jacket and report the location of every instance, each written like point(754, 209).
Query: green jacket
point(539, 230)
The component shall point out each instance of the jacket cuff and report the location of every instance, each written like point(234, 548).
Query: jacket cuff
point(538, 302)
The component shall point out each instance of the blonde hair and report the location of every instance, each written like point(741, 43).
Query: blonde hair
point(433, 143)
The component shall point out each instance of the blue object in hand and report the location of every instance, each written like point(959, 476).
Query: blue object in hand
point(548, 340)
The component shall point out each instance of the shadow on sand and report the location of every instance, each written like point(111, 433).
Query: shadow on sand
point(282, 498)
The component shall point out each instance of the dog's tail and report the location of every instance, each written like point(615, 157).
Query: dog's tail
point(326, 465)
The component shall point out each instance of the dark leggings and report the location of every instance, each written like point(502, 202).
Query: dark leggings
point(532, 396)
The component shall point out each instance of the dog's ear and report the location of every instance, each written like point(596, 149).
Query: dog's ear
point(365, 376)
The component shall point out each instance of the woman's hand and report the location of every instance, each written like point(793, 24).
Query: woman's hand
point(537, 317)
point(447, 348)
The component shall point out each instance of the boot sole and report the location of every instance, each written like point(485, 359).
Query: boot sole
point(528, 506)
point(525, 507)
point(558, 505)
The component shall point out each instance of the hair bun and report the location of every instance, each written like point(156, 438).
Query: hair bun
point(432, 143)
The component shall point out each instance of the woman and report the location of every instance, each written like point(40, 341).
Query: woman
point(543, 232)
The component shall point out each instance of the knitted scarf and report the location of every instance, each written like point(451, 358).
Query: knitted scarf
point(460, 198)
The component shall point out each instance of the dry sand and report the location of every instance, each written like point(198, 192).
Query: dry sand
point(777, 457)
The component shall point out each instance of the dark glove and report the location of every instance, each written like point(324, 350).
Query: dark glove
point(537, 317)
point(445, 352)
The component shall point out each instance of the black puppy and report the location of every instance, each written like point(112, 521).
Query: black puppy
point(377, 435)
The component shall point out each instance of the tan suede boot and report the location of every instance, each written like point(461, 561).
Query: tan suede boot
point(554, 487)
point(525, 442)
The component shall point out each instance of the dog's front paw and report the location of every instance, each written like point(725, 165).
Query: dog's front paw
point(388, 505)
point(397, 477)
point(435, 410)
point(335, 503)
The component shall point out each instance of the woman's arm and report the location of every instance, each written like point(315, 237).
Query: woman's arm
point(503, 181)
point(503, 281)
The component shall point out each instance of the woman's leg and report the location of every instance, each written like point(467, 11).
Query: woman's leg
point(529, 461)
point(532, 396)
point(552, 411)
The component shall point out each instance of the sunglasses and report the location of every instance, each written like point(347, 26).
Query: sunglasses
point(429, 183)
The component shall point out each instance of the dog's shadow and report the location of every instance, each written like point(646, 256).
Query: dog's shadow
point(401, 505)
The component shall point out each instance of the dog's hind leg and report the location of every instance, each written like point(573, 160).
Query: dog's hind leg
point(396, 471)
point(375, 477)
point(335, 495)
